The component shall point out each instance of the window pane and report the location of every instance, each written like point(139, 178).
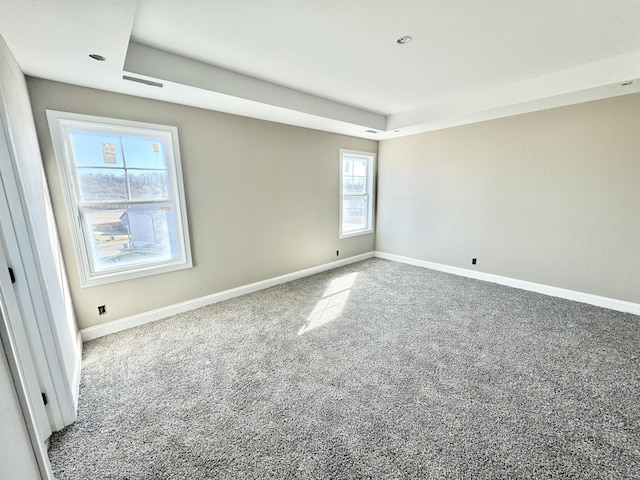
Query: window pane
point(354, 185)
point(102, 184)
point(354, 213)
point(94, 149)
point(360, 167)
point(131, 235)
point(143, 152)
point(347, 166)
point(148, 184)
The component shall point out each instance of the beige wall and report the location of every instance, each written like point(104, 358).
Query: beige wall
point(262, 199)
point(551, 197)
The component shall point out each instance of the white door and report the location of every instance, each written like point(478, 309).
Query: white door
point(34, 335)
point(23, 419)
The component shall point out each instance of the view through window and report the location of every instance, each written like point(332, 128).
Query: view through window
point(124, 188)
point(356, 193)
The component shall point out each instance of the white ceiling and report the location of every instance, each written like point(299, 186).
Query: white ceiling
point(335, 64)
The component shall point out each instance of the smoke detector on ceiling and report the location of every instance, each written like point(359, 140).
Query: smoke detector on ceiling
point(404, 40)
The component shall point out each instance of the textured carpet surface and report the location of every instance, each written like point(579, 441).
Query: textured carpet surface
point(374, 370)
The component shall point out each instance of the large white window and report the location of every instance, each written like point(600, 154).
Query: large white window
point(356, 193)
point(123, 189)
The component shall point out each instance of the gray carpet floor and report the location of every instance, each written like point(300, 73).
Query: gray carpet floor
point(373, 370)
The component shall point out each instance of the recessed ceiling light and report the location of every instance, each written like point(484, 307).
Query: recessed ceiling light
point(626, 84)
point(370, 131)
point(98, 57)
point(404, 40)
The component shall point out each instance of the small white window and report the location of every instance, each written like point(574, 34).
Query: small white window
point(356, 193)
point(124, 195)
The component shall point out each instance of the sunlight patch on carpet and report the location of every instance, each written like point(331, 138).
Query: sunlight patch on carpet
point(332, 303)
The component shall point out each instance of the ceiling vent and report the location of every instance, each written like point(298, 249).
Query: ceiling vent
point(142, 80)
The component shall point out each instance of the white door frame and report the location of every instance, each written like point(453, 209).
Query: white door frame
point(39, 336)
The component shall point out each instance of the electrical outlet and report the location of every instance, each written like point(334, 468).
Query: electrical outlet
point(473, 261)
point(337, 253)
point(102, 309)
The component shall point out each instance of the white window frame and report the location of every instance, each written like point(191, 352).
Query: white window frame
point(371, 162)
point(60, 124)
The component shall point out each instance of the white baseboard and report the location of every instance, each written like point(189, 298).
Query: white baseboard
point(606, 302)
point(92, 333)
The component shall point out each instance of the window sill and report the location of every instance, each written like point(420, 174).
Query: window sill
point(356, 233)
